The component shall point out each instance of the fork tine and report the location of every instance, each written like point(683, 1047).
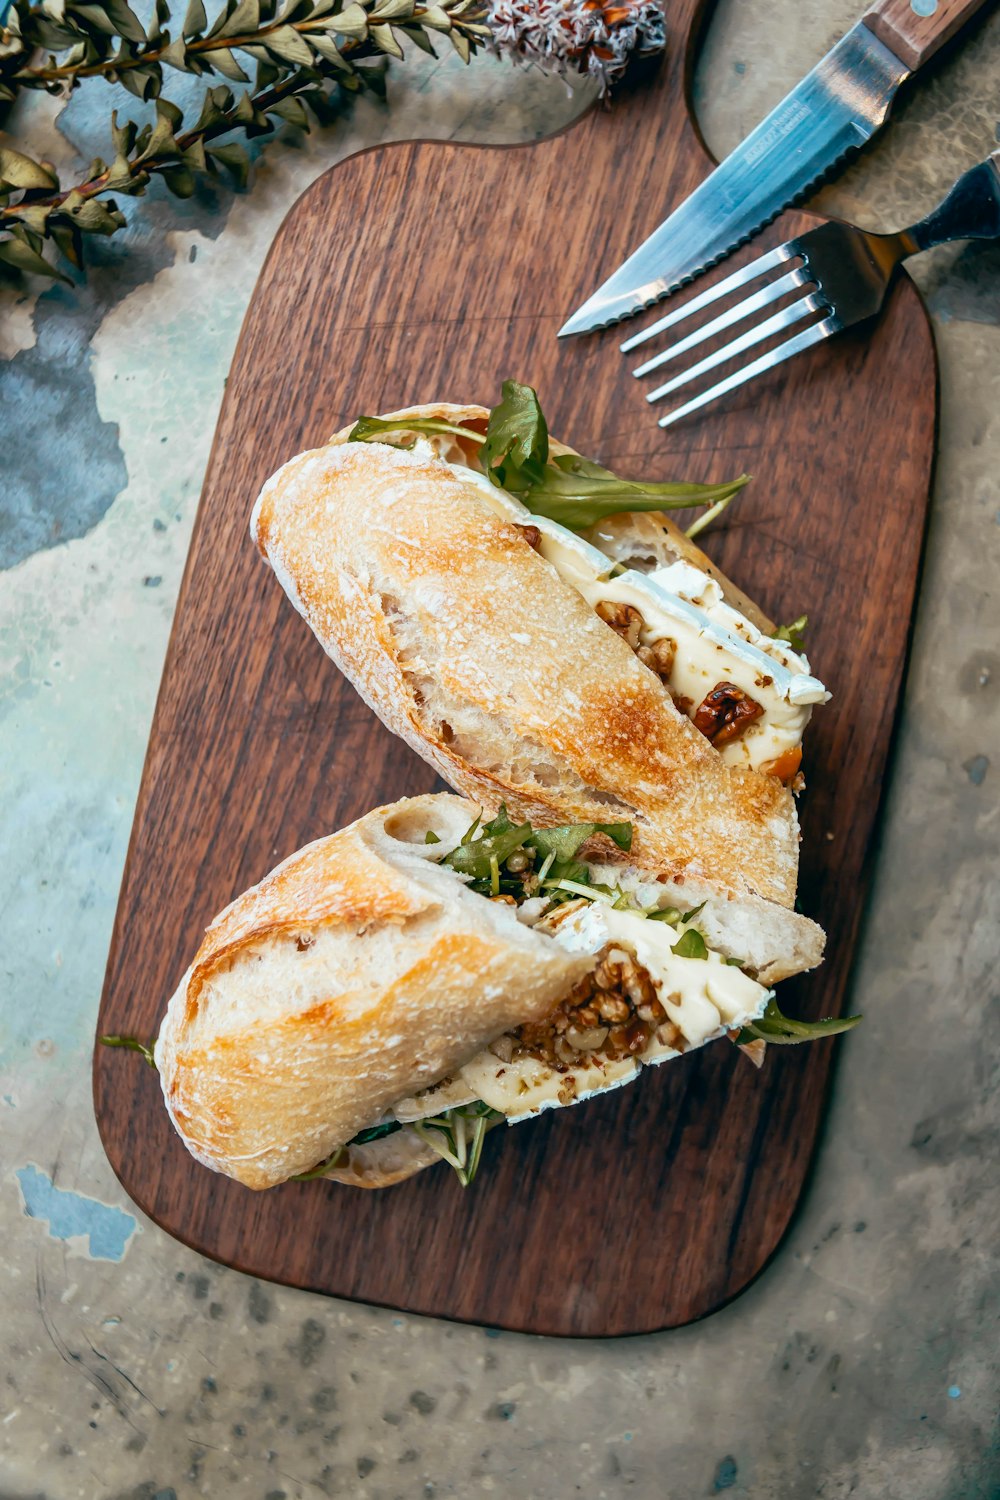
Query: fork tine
point(721, 289)
point(776, 324)
point(767, 294)
point(795, 345)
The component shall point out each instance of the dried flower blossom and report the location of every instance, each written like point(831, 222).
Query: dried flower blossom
point(583, 36)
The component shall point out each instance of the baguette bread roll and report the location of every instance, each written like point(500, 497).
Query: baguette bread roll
point(355, 973)
point(470, 646)
point(360, 972)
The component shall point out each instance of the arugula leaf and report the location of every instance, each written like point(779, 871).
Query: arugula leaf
point(516, 449)
point(479, 857)
point(690, 944)
point(567, 488)
point(374, 427)
point(566, 842)
point(577, 493)
point(794, 634)
point(773, 1027)
point(375, 1133)
point(133, 1044)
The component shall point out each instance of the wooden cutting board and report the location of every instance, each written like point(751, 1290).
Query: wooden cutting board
point(423, 271)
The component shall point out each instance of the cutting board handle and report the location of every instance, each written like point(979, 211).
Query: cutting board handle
point(915, 29)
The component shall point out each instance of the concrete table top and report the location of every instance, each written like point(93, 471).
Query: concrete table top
point(863, 1361)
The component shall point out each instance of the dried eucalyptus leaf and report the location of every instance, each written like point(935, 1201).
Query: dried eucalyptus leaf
point(352, 21)
point(161, 142)
point(291, 110)
point(223, 61)
point(15, 253)
point(94, 217)
point(126, 22)
point(435, 19)
point(21, 171)
point(391, 10)
point(180, 181)
point(35, 215)
point(234, 159)
point(245, 18)
point(384, 39)
point(122, 135)
point(194, 156)
point(195, 19)
point(175, 56)
point(120, 176)
point(420, 39)
point(170, 112)
point(69, 242)
point(328, 50)
point(286, 42)
point(144, 83)
point(98, 17)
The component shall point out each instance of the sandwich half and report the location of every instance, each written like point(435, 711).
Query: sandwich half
point(613, 676)
point(389, 993)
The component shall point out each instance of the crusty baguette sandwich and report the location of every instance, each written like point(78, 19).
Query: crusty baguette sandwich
point(573, 679)
point(390, 992)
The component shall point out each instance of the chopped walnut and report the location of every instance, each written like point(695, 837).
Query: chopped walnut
point(725, 712)
point(659, 657)
point(623, 619)
point(611, 1013)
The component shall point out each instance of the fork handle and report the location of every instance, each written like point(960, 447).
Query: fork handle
point(915, 29)
point(971, 210)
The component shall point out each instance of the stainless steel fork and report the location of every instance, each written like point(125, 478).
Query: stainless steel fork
point(844, 273)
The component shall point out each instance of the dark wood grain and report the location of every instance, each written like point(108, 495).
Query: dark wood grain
point(914, 36)
point(427, 271)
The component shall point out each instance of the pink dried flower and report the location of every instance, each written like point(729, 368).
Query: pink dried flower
point(586, 36)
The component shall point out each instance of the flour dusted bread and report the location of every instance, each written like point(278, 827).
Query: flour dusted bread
point(468, 644)
point(354, 974)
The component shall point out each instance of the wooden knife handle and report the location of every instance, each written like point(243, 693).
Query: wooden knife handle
point(915, 29)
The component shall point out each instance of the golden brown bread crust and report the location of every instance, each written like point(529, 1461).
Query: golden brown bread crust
point(355, 974)
point(467, 644)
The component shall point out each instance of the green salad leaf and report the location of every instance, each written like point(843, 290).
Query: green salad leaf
point(516, 449)
point(133, 1044)
point(566, 842)
point(366, 428)
point(567, 488)
point(774, 1028)
point(690, 944)
point(794, 634)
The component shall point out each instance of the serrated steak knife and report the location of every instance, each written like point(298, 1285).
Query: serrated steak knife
point(834, 110)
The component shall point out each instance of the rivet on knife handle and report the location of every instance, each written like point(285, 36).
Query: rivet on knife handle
point(916, 29)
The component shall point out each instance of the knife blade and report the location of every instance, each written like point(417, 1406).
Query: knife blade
point(832, 112)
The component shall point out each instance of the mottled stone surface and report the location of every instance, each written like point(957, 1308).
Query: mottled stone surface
point(864, 1360)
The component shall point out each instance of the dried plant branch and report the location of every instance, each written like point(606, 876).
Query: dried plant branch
point(303, 55)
